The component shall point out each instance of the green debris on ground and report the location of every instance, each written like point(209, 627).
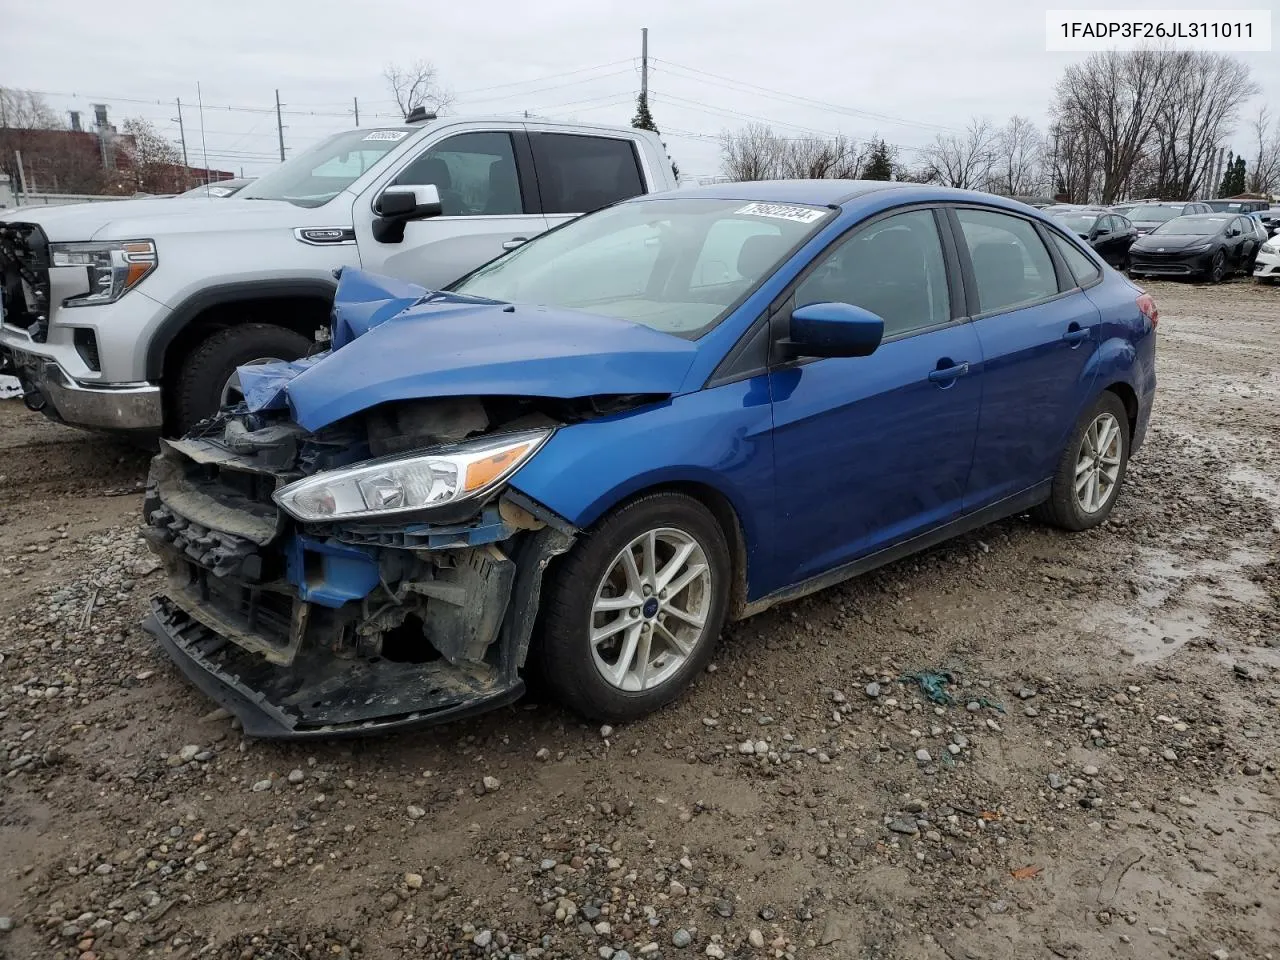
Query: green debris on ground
point(933, 684)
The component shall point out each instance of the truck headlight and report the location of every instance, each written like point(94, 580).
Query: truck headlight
point(114, 267)
point(408, 484)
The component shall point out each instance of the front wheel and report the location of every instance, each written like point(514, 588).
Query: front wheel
point(634, 610)
point(209, 380)
point(1218, 267)
point(1091, 469)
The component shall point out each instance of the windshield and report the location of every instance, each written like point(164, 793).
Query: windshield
point(1078, 222)
point(1191, 226)
point(317, 175)
point(1155, 212)
point(674, 265)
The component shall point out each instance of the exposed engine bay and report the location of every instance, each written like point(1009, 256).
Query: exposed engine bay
point(325, 629)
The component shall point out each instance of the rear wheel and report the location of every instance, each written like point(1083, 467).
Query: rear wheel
point(208, 377)
point(1091, 469)
point(633, 612)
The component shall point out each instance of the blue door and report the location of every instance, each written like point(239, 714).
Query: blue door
point(1038, 336)
point(871, 450)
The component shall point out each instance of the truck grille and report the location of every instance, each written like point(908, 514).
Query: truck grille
point(24, 278)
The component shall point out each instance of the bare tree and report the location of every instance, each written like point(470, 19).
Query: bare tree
point(156, 162)
point(1017, 149)
point(1114, 97)
point(1266, 163)
point(965, 160)
point(753, 153)
point(24, 110)
point(417, 85)
point(1195, 117)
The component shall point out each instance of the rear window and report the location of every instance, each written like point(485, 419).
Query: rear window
point(578, 174)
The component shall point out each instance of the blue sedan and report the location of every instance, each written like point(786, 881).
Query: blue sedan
point(598, 449)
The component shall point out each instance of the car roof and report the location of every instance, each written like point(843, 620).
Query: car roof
point(837, 193)
point(1219, 215)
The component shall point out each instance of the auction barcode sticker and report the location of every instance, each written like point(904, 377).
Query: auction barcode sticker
point(1232, 31)
point(783, 211)
point(387, 135)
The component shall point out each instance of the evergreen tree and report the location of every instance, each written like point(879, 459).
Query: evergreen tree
point(643, 120)
point(1233, 177)
point(879, 163)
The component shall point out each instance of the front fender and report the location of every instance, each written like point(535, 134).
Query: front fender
point(719, 438)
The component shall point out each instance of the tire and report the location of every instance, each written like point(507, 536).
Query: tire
point(1218, 268)
point(1064, 508)
point(569, 664)
point(207, 369)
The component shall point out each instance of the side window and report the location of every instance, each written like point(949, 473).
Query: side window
point(1010, 264)
point(1105, 225)
point(577, 174)
point(1084, 269)
point(1123, 224)
point(894, 268)
point(474, 172)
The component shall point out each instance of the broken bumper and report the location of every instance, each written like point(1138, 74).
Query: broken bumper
point(337, 631)
point(48, 389)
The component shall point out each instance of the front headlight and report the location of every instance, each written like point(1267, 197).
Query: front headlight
point(1200, 248)
point(406, 484)
point(1271, 248)
point(114, 268)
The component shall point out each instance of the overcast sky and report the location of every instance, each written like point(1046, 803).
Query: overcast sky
point(904, 71)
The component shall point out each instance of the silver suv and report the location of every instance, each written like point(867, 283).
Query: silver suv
point(134, 315)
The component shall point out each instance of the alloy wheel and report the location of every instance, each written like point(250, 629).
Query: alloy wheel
point(650, 609)
point(1098, 465)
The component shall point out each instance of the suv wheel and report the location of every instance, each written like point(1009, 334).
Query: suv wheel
point(208, 378)
point(634, 610)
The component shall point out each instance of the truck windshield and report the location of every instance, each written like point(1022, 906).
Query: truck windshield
point(320, 173)
point(674, 265)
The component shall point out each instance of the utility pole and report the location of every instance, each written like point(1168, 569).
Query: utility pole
point(644, 62)
point(204, 147)
point(22, 175)
point(182, 134)
point(355, 102)
point(280, 126)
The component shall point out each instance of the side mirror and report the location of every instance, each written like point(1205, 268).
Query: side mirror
point(396, 206)
point(833, 330)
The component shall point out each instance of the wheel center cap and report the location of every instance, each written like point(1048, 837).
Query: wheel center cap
point(650, 608)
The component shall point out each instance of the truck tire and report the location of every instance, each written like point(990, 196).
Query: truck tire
point(210, 367)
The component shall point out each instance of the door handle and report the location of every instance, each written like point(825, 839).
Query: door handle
point(1075, 335)
point(947, 374)
point(514, 242)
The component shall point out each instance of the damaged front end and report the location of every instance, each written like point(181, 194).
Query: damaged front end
point(348, 626)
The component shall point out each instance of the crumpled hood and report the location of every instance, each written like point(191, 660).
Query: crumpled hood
point(396, 341)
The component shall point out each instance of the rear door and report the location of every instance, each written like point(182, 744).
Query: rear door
point(578, 172)
point(488, 199)
point(1038, 333)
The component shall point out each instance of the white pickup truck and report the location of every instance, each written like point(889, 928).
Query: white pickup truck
point(133, 316)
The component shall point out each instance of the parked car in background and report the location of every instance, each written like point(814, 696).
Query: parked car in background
point(219, 189)
point(135, 315)
point(1238, 206)
point(595, 451)
point(1110, 234)
point(1211, 246)
point(1266, 265)
point(1147, 216)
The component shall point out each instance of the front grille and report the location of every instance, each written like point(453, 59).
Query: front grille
point(24, 278)
point(235, 485)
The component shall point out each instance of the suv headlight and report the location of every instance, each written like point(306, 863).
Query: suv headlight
point(114, 267)
point(1271, 247)
point(408, 484)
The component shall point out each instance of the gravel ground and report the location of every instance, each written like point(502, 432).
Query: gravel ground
point(1103, 783)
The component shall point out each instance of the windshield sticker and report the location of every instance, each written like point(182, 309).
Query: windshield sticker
point(782, 211)
point(387, 135)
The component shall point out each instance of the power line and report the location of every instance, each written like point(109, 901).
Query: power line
point(810, 101)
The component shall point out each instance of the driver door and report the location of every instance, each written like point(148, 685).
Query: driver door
point(487, 196)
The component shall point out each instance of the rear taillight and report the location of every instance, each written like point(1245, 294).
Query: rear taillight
point(1148, 307)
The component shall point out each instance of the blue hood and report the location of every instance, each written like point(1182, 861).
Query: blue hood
point(395, 341)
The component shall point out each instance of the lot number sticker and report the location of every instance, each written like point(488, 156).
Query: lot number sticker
point(387, 135)
point(782, 211)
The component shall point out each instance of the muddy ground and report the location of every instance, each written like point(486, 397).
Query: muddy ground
point(1104, 786)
